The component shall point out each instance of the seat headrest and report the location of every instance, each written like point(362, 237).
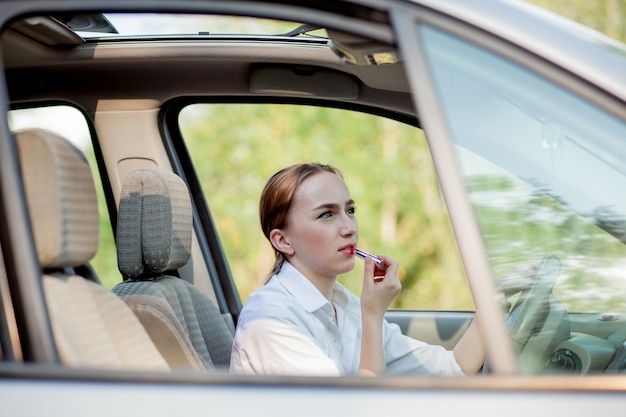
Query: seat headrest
point(61, 198)
point(154, 224)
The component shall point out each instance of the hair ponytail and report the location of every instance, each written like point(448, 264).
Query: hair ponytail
point(278, 264)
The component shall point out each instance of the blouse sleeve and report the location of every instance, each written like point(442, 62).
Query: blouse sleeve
point(271, 347)
point(406, 355)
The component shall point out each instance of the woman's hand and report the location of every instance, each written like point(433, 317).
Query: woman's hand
point(380, 286)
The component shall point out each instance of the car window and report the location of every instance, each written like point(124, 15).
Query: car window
point(69, 122)
point(545, 171)
point(237, 147)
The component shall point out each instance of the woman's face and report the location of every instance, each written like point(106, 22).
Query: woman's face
point(322, 227)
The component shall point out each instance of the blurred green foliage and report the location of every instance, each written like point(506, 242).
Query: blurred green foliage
point(387, 167)
point(605, 16)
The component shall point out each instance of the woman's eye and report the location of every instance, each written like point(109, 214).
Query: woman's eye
point(326, 214)
point(351, 210)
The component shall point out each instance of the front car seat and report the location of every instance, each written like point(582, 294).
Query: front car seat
point(154, 232)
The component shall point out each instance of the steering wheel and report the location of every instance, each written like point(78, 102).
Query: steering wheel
point(532, 305)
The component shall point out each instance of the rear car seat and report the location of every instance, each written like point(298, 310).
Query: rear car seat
point(91, 326)
point(154, 232)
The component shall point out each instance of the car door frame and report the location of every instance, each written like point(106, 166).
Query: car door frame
point(465, 227)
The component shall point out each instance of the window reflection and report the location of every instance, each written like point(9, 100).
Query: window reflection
point(545, 171)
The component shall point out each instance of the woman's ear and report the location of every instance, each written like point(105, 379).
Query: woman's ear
point(280, 242)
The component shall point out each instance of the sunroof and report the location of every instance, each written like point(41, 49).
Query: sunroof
point(160, 25)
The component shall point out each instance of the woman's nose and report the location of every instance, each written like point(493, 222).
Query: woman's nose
point(349, 225)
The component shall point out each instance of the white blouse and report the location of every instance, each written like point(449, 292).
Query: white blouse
point(287, 327)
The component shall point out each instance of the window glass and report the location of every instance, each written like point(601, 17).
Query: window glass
point(70, 123)
point(143, 25)
point(546, 172)
point(387, 165)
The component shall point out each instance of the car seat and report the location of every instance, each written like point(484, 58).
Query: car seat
point(91, 326)
point(154, 232)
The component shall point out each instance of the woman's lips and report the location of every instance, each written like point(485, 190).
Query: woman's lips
point(347, 249)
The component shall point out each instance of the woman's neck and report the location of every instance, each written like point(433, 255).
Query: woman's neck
point(324, 284)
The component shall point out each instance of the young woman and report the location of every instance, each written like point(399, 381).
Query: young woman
point(303, 322)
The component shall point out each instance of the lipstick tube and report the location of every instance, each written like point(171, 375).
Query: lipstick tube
point(362, 254)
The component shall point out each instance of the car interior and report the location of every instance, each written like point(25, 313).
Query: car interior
point(176, 304)
point(190, 311)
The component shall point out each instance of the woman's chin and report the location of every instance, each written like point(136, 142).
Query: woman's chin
point(348, 266)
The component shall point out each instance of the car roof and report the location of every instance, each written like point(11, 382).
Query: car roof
point(187, 67)
point(42, 57)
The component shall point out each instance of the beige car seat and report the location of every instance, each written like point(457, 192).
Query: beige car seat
point(91, 326)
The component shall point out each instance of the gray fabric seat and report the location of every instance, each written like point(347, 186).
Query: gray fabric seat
point(91, 326)
point(154, 232)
